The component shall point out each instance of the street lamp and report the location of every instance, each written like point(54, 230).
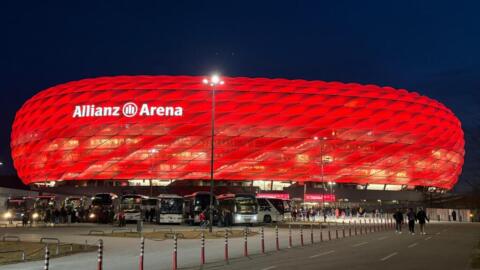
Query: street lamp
point(212, 82)
point(152, 152)
point(321, 168)
point(1, 163)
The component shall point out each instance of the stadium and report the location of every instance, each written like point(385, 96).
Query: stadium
point(154, 133)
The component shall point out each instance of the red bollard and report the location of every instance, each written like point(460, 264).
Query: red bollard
point(47, 258)
point(174, 254)
point(277, 243)
point(245, 245)
point(262, 240)
point(289, 236)
point(226, 245)
point(100, 255)
point(142, 252)
point(301, 235)
point(202, 249)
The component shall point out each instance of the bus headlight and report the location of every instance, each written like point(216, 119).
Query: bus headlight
point(254, 218)
point(91, 216)
point(7, 215)
point(34, 216)
point(238, 218)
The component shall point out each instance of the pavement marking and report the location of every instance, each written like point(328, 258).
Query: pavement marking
point(322, 254)
point(270, 267)
point(428, 238)
point(412, 245)
point(383, 237)
point(360, 244)
point(388, 256)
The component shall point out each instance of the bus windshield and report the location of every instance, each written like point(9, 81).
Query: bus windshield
point(202, 202)
point(102, 200)
point(171, 206)
point(16, 204)
point(246, 205)
point(133, 202)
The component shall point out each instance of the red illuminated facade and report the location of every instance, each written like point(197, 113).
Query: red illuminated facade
point(158, 127)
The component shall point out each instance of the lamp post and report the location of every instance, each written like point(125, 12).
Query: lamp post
point(212, 82)
point(152, 152)
point(321, 169)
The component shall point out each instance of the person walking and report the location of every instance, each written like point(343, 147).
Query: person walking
point(422, 218)
point(398, 216)
point(411, 220)
point(454, 215)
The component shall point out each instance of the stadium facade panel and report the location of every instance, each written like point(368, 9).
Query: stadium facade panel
point(159, 127)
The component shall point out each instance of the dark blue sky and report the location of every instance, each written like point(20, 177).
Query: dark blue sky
point(431, 47)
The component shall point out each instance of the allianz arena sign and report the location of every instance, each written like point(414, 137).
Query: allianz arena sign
point(129, 109)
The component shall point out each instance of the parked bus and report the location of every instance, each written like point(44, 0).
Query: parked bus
point(103, 207)
point(273, 210)
point(16, 208)
point(42, 205)
point(195, 204)
point(170, 208)
point(131, 205)
point(239, 208)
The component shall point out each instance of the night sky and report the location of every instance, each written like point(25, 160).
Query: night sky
point(429, 47)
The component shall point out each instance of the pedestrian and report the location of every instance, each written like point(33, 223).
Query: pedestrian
point(422, 218)
point(152, 214)
point(25, 217)
point(411, 220)
point(398, 216)
point(454, 215)
point(203, 219)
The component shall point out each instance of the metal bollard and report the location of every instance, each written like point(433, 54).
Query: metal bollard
point(277, 243)
point(329, 233)
point(47, 258)
point(245, 243)
point(361, 227)
point(301, 235)
point(355, 226)
point(100, 255)
point(349, 228)
point(86, 244)
point(311, 233)
point(202, 248)
point(262, 240)
point(336, 232)
point(226, 245)
point(57, 250)
point(289, 236)
point(343, 229)
point(174, 254)
point(142, 252)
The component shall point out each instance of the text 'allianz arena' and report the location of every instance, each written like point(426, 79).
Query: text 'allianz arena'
point(159, 127)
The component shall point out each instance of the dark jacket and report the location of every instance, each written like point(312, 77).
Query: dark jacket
point(398, 216)
point(422, 217)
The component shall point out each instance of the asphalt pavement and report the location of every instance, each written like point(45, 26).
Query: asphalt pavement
point(446, 246)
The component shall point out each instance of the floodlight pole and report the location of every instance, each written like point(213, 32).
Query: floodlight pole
point(213, 81)
point(210, 224)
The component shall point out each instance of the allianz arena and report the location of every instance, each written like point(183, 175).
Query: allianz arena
point(159, 127)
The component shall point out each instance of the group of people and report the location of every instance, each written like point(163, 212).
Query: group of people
point(412, 217)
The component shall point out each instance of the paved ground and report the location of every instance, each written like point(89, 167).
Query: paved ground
point(447, 246)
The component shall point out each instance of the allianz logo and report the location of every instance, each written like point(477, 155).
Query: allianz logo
point(129, 109)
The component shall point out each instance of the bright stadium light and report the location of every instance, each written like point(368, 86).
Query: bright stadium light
point(214, 80)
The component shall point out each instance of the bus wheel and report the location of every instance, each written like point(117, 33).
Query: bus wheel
point(267, 219)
